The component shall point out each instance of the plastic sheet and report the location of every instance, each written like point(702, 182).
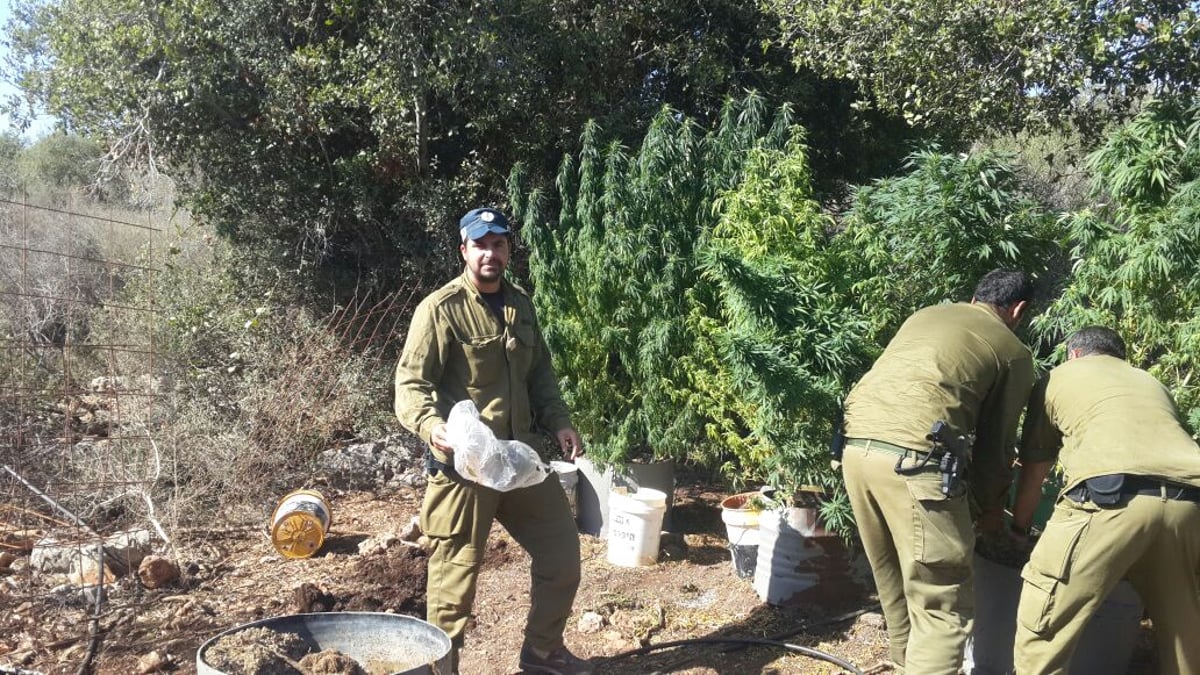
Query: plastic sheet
point(482, 458)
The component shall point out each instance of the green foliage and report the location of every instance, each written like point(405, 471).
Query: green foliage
point(60, 162)
point(611, 275)
point(774, 328)
point(693, 300)
point(929, 235)
point(987, 64)
point(242, 103)
point(63, 170)
point(1144, 164)
point(1136, 256)
point(351, 133)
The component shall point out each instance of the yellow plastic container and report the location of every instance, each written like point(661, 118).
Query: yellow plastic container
point(299, 523)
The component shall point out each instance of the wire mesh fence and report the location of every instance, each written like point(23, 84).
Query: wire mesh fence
point(77, 380)
point(77, 398)
point(149, 407)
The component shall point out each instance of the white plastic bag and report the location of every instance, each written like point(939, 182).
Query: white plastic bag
point(482, 458)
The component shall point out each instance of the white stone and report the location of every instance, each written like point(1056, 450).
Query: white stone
point(590, 622)
point(122, 551)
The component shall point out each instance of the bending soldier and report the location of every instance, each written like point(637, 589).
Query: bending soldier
point(1131, 507)
point(959, 364)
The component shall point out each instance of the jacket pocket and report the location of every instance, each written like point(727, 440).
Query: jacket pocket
point(1050, 565)
point(520, 345)
point(942, 530)
point(485, 360)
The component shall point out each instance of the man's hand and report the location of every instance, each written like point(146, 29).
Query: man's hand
point(990, 521)
point(437, 438)
point(568, 441)
point(1020, 537)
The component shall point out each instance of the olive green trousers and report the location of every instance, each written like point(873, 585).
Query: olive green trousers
point(1082, 554)
point(919, 543)
point(457, 517)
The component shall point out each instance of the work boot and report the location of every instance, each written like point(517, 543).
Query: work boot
point(558, 662)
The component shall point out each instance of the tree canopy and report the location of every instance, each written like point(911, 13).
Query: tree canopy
point(352, 132)
point(931, 233)
point(999, 64)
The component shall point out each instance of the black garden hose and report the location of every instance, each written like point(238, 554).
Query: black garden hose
point(807, 651)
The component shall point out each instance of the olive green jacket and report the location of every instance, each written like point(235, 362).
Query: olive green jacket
point(1108, 417)
point(957, 363)
point(457, 349)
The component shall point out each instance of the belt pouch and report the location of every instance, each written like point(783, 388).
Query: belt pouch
point(1105, 490)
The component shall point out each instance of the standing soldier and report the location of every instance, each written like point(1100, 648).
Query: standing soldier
point(477, 338)
point(1130, 508)
point(953, 373)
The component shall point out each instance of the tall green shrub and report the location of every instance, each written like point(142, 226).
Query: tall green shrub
point(694, 300)
point(612, 274)
point(777, 337)
point(929, 235)
point(775, 330)
point(1136, 255)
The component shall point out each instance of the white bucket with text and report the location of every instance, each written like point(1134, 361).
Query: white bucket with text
point(635, 526)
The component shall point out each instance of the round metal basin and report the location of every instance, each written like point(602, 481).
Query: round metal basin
point(382, 643)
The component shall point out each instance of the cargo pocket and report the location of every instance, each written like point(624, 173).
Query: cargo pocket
point(1049, 565)
point(942, 529)
point(466, 555)
point(447, 508)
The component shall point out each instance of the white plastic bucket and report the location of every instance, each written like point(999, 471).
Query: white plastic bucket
point(741, 526)
point(635, 526)
point(568, 477)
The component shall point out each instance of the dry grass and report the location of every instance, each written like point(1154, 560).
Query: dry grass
point(169, 381)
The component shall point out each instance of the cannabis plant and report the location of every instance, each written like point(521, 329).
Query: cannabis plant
point(777, 334)
point(693, 298)
point(613, 274)
point(929, 235)
point(1137, 253)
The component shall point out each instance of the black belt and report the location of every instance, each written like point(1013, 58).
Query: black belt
point(1144, 486)
point(433, 467)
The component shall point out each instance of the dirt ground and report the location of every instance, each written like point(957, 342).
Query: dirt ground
point(232, 576)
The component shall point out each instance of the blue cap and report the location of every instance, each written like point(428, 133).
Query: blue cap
point(479, 222)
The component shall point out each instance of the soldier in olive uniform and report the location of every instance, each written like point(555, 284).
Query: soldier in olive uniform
point(962, 365)
point(1129, 509)
point(477, 338)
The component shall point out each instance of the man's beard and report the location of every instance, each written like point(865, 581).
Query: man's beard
point(493, 274)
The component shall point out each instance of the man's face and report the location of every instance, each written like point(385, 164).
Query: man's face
point(486, 258)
